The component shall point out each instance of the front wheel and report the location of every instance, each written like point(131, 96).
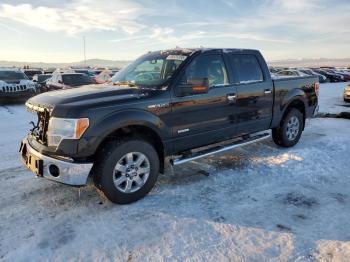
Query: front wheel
point(126, 171)
point(290, 130)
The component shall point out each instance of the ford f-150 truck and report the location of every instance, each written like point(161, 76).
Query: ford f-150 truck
point(176, 105)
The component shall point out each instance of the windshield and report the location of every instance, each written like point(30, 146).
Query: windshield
point(76, 79)
point(12, 75)
point(151, 70)
point(32, 72)
point(42, 78)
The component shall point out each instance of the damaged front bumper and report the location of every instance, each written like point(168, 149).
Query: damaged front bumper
point(65, 171)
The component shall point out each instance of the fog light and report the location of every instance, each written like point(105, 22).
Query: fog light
point(54, 170)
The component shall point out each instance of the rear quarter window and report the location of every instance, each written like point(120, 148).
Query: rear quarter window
point(246, 69)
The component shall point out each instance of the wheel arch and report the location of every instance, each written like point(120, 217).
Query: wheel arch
point(296, 98)
point(137, 131)
point(297, 103)
point(123, 124)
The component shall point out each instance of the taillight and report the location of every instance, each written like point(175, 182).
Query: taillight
point(317, 88)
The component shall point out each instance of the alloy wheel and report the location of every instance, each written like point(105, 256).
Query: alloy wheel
point(131, 172)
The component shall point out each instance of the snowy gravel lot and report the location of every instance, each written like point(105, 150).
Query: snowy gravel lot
point(331, 98)
point(257, 203)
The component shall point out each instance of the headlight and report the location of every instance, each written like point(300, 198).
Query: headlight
point(64, 128)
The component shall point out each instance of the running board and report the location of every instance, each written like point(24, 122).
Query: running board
point(219, 149)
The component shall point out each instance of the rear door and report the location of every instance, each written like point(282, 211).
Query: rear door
point(203, 119)
point(254, 100)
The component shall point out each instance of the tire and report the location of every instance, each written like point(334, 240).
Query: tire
point(289, 132)
point(346, 100)
point(118, 174)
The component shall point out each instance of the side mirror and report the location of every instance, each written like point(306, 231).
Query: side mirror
point(194, 86)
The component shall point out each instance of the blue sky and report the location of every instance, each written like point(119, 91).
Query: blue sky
point(52, 31)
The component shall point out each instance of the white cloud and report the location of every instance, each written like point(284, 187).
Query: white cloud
point(301, 16)
point(77, 16)
point(11, 28)
point(229, 3)
point(296, 5)
point(280, 27)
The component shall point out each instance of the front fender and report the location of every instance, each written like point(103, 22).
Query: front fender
point(94, 136)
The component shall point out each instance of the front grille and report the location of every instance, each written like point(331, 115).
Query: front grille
point(39, 130)
point(14, 88)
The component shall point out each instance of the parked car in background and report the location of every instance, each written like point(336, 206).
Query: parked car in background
point(49, 71)
point(98, 71)
point(344, 74)
point(274, 70)
point(67, 80)
point(290, 73)
point(346, 95)
point(40, 81)
point(344, 70)
point(310, 72)
point(331, 76)
point(32, 72)
point(88, 72)
point(104, 76)
point(14, 84)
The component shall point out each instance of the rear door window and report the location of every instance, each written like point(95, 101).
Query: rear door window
point(246, 69)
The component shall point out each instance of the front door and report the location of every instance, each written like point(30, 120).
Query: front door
point(203, 119)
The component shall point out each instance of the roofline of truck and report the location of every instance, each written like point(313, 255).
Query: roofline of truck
point(207, 49)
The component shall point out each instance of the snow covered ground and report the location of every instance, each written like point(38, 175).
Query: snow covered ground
point(331, 98)
point(257, 203)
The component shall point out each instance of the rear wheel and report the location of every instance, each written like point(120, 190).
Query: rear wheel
point(290, 130)
point(126, 171)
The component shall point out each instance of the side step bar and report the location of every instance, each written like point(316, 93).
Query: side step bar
point(219, 149)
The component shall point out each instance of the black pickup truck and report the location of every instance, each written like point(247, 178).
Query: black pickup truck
point(167, 106)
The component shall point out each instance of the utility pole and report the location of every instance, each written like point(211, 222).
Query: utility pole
point(84, 51)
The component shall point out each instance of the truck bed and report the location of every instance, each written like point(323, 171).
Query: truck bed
point(287, 87)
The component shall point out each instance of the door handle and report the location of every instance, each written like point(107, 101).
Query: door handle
point(267, 91)
point(231, 97)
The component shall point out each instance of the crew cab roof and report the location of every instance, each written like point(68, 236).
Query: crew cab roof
point(204, 50)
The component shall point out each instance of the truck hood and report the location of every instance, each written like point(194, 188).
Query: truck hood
point(87, 97)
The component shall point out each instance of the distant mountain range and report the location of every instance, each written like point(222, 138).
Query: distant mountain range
point(121, 63)
point(89, 62)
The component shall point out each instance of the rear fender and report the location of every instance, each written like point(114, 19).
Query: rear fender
point(285, 102)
